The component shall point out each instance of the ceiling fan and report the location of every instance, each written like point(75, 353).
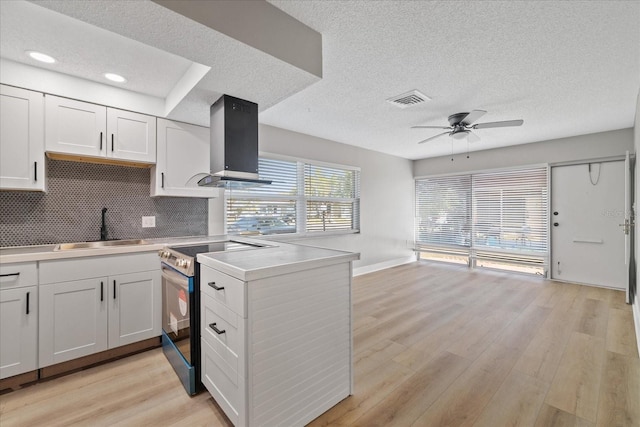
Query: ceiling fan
point(461, 126)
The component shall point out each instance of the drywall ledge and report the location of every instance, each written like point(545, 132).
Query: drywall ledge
point(260, 25)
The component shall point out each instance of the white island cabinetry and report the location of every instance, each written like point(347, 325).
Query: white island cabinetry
point(92, 304)
point(276, 339)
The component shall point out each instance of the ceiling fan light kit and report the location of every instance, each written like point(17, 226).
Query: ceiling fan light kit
point(461, 124)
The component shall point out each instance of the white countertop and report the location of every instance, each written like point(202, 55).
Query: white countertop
point(273, 260)
point(47, 252)
point(251, 264)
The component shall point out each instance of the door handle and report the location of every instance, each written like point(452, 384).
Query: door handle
point(216, 330)
point(213, 285)
point(114, 289)
point(28, 302)
point(555, 224)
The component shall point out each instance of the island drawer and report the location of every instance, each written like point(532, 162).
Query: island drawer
point(223, 330)
point(225, 289)
point(227, 390)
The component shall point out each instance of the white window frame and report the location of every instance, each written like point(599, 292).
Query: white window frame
point(301, 199)
point(476, 253)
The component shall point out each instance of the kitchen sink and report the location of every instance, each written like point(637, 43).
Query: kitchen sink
point(99, 244)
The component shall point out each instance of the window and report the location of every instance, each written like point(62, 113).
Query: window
point(443, 211)
point(331, 198)
point(496, 220)
point(304, 197)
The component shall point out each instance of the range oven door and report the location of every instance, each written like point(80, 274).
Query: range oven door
point(179, 337)
point(176, 316)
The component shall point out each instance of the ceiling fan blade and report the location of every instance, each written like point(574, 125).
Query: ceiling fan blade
point(472, 137)
point(503, 124)
point(433, 137)
point(472, 117)
point(431, 127)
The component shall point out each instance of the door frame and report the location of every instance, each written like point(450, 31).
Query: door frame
point(632, 261)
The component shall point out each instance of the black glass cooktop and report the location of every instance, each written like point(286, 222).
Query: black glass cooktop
point(193, 250)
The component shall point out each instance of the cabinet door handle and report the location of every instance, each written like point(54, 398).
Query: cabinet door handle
point(101, 291)
point(10, 274)
point(35, 171)
point(114, 289)
point(213, 285)
point(162, 179)
point(216, 330)
point(111, 142)
point(100, 141)
point(28, 302)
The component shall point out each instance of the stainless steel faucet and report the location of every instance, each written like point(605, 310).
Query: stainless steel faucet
point(103, 227)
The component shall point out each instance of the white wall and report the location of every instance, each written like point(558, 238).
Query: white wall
point(386, 197)
point(581, 147)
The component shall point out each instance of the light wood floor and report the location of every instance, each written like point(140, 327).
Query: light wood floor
point(434, 345)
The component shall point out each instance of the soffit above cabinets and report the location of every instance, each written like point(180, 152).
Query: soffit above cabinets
point(175, 67)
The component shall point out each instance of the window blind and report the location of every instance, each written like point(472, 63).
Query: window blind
point(443, 211)
point(510, 210)
point(332, 198)
point(267, 209)
point(497, 217)
point(303, 197)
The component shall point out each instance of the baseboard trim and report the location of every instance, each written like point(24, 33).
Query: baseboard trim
point(382, 265)
point(636, 319)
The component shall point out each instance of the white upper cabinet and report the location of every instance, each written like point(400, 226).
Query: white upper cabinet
point(75, 127)
point(183, 152)
point(132, 136)
point(82, 129)
point(21, 139)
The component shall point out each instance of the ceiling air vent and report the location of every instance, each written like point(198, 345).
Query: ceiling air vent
point(408, 99)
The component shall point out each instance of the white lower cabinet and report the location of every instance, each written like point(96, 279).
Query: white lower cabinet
point(134, 303)
point(18, 319)
point(73, 320)
point(277, 351)
point(99, 312)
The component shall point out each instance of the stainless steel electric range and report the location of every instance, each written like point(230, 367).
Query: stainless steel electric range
point(181, 306)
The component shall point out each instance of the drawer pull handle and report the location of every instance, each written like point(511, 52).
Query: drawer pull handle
point(217, 288)
point(216, 330)
point(10, 274)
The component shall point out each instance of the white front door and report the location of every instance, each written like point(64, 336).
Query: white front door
point(587, 208)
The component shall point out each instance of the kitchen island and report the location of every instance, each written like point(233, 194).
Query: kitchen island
point(276, 332)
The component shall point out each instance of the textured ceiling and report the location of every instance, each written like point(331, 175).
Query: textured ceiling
point(565, 67)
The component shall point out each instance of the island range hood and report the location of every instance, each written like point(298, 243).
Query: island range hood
point(234, 144)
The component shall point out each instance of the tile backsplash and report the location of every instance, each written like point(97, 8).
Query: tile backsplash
point(70, 211)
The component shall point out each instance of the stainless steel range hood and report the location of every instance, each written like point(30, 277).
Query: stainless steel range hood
point(234, 144)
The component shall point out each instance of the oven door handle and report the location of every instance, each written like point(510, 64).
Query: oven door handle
point(174, 277)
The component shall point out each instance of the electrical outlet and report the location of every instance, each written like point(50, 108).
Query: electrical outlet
point(148, 221)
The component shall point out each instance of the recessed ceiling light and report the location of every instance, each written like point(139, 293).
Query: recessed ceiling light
point(115, 78)
point(42, 57)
